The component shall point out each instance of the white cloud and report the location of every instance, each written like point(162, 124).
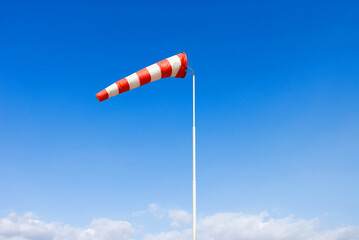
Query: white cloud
point(156, 210)
point(179, 217)
point(29, 227)
point(220, 226)
point(236, 226)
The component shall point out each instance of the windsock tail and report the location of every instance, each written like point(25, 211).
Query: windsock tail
point(101, 96)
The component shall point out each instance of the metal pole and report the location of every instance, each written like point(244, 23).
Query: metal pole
point(194, 162)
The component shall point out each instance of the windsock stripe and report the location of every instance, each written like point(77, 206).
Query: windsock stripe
point(144, 76)
point(175, 62)
point(133, 81)
point(155, 72)
point(123, 85)
point(112, 90)
point(166, 68)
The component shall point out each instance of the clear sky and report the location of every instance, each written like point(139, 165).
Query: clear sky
point(277, 110)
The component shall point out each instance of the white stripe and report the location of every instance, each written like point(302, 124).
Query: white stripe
point(133, 81)
point(155, 72)
point(175, 62)
point(112, 90)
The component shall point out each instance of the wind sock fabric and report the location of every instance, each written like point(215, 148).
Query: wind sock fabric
point(175, 66)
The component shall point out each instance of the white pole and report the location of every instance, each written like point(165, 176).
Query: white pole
point(194, 162)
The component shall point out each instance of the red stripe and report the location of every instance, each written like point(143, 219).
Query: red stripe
point(166, 68)
point(183, 70)
point(122, 85)
point(144, 76)
point(101, 96)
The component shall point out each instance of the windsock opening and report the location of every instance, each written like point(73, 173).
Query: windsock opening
point(183, 70)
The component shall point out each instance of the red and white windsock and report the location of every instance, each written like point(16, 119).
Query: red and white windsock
point(175, 66)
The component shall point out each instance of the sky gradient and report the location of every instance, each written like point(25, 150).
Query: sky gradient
point(277, 109)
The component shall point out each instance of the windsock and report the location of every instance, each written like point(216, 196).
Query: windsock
point(175, 66)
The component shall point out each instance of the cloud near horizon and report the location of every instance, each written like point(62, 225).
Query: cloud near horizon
point(29, 227)
point(178, 217)
point(220, 226)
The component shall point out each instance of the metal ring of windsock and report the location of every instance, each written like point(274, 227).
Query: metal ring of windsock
point(175, 66)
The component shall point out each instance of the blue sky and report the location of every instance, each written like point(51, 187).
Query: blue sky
point(277, 109)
